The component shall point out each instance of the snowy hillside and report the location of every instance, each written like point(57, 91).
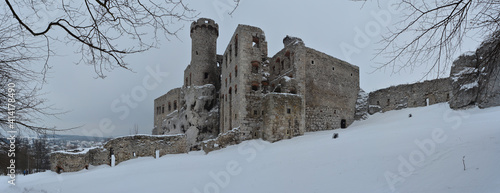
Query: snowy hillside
point(388, 152)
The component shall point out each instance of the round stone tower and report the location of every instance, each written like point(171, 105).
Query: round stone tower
point(203, 67)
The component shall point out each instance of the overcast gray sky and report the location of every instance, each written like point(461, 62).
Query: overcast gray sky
point(327, 26)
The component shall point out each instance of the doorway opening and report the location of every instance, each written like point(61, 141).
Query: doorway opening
point(343, 124)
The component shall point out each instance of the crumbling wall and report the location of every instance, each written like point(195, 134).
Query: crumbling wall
point(68, 162)
point(146, 145)
point(242, 81)
point(228, 138)
point(410, 95)
point(165, 106)
point(198, 118)
point(124, 148)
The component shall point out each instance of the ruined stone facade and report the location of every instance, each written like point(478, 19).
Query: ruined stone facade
point(124, 148)
point(410, 95)
point(299, 89)
point(284, 118)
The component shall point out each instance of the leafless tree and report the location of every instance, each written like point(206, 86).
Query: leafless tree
point(96, 27)
point(135, 130)
point(436, 30)
point(20, 101)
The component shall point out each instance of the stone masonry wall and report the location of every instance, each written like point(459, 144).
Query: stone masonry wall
point(283, 117)
point(241, 79)
point(410, 95)
point(203, 67)
point(166, 105)
point(198, 118)
point(332, 87)
point(123, 149)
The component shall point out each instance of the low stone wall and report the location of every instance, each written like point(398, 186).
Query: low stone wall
point(124, 148)
point(231, 137)
point(68, 162)
point(146, 145)
point(410, 95)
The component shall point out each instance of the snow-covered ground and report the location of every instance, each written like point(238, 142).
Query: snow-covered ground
point(389, 152)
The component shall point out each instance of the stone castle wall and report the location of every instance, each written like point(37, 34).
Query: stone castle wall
point(410, 95)
point(283, 116)
point(241, 79)
point(166, 105)
point(124, 148)
point(332, 86)
point(198, 118)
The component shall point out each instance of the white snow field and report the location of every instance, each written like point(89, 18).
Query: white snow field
point(389, 152)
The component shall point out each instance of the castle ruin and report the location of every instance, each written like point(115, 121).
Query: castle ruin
point(245, 94)
point(299, 89)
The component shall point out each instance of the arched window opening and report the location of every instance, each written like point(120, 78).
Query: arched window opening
point(236, 71)
point(235, 89)
point(169, 106)
point(175, 105)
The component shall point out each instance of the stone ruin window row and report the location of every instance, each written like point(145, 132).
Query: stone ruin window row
point(281, 64)
point(160, 109)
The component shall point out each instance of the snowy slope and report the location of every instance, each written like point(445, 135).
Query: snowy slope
point(381, 154)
